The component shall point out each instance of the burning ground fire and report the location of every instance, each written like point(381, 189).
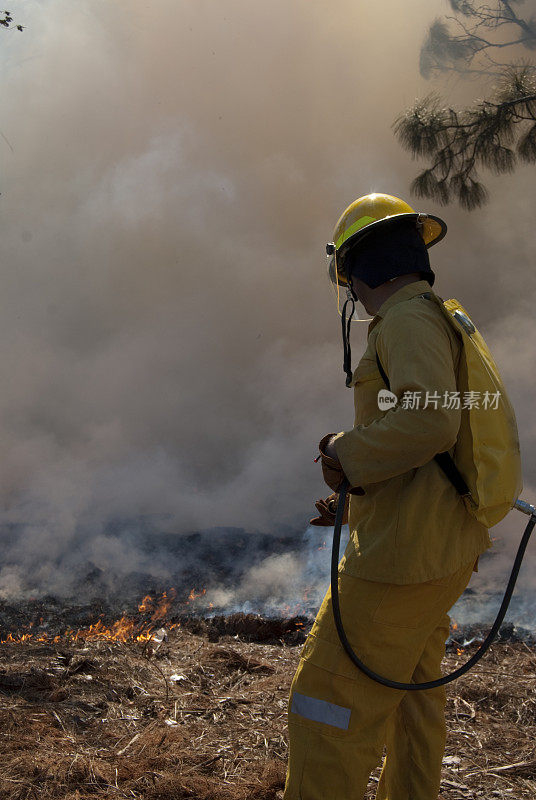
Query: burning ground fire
point(158, 615)
point(276, 586)
point(154, 612)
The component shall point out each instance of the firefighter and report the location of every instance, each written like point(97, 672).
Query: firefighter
point(413, 544)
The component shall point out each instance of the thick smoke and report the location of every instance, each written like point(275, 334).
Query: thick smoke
point(171, 174)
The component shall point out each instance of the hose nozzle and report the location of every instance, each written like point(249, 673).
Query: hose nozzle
point(525, 507)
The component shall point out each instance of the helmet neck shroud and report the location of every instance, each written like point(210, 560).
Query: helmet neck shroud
point(389, 250)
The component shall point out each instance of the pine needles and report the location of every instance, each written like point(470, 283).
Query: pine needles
point(496, 133)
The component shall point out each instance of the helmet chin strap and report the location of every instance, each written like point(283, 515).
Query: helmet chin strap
point(346, 319)
point(346, 322)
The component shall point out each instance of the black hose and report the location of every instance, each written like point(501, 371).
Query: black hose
point(411, 687)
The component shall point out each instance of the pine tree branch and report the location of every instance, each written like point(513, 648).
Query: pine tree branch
point(496, 132)
point(458, 142)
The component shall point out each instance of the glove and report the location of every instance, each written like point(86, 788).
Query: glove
point(327, 509)
point(332, 470)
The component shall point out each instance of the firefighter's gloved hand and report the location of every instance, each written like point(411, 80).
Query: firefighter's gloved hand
point(327, 446)
point(331, 466)
point(327, 509)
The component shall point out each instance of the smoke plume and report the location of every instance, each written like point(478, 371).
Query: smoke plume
point(171, 173)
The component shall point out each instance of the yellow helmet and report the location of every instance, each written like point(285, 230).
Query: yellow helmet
point(367, 214)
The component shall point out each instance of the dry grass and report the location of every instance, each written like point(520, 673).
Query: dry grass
point(206, 720)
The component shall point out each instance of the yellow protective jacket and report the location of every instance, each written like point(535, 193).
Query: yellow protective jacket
point(410, 526)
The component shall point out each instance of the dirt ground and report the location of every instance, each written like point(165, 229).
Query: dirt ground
point(195, 718)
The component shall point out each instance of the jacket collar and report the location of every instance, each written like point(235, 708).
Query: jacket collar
point(405, 293)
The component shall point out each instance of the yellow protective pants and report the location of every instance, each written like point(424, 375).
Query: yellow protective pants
point(339, 719)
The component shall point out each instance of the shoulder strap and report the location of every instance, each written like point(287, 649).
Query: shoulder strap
point(444, 460)
point(382, 372)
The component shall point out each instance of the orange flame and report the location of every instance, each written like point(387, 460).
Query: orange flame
point(122, 630)
point(194, 596)
point(146, 604)
point(159, 609)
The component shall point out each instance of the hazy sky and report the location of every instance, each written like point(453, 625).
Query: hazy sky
point(170, 174)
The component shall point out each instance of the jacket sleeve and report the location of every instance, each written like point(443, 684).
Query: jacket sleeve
point(417, 353)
